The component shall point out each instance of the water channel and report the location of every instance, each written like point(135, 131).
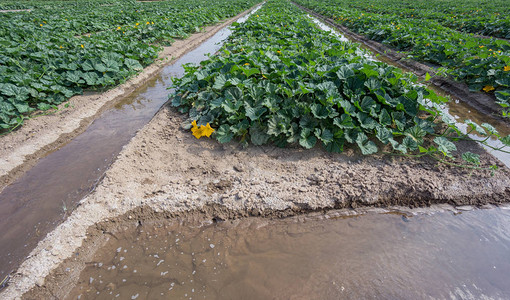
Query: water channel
point(430, 255)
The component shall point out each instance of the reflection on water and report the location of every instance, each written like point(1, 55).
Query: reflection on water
point(461, 113)
point(383, 256)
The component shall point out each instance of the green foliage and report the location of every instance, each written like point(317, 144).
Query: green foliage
point(439, 34)
point(279, 79)
point(471, 158)
point(60, 48)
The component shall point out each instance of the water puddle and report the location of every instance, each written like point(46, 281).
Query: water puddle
point(384, 256)
point(43, 197)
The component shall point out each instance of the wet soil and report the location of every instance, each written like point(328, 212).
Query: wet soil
point(482, 102)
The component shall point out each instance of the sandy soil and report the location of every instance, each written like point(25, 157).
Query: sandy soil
point(164, 171)
point(20, 150)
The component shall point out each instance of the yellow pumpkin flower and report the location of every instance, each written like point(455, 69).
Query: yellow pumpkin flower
point(488, 88)
point(207, 130)
point(118, 28)
point(201, 131)
point(82, 46)
point(148, 23)
point(506, 68)
point(137, 24)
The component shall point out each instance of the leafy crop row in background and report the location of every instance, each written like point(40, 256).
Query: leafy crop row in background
point(484, 64)
point(490, 18)
point(60, 48)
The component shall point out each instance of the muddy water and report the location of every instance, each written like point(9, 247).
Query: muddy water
point(383, 256)
point(42, 198)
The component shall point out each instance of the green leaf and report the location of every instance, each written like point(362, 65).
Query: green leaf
point(344, 72)
point(399, 119)
point(319, 111)
point(344, 121)
point(336, 146)
point(416, 133)
point(477, 128)
point(132, 64)
point(366, 121)
point(307, 139)
point(325, 135)
point(251, 71)
point(223, 134)
point(22, 107)
point(367, 147)
point(385, 118)
point(43, 106)
point(444, 145)
point(220, 82)
point(276, 125)
point(384, 135)
point(505, 140)
point(91, 78)
point(258, 135)
point(254, 113)
point(308, 122)
point(234, 93)
point(490, 129)
point(410, 143)
point(471, 158)
point(9, 89)
point(427, 76)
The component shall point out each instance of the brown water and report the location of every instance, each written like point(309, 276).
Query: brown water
point(383, 256)
point(43, 197)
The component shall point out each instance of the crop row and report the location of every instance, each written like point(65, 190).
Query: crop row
point(280, 79)
point(490, 19)
point(45, 58)
point(484, 64)
point(53, 4)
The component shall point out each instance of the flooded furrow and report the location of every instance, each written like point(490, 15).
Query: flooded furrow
point(43, 197)
point(438, 255)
